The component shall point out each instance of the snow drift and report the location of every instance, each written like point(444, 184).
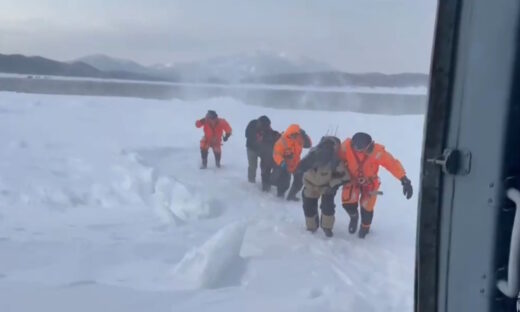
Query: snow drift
point(215, 263)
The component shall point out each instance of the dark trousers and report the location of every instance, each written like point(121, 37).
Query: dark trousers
point(327, 206)
point(282, 180)
point(297, 183)
point(204, 156)
point(366, 216)
point(252, 159)
point(266, 166)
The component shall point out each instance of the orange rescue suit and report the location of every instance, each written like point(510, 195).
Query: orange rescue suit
point(213, 132)
point(363, 168)
point(289, 148)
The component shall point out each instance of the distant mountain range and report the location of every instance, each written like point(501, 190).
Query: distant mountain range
point(36, 65)
point(257, 67)
point(107, 63)
point(238, 67)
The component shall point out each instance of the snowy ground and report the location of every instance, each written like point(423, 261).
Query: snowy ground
point(103, 208)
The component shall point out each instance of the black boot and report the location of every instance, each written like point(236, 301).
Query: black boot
point(353, 224)
point(352, 211)
point(217, 159)
point(204, 156)
point(366, 221)
point(328, 232)
point(292, 197)
point(327, 223)
point(363, 231)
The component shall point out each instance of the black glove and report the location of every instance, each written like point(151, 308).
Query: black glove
point(202, 121)
point(407, 187)
point(307, 143)
point(226, 137)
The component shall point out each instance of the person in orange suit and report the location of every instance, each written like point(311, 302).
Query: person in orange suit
point(286, 155)
point(215, 130)
point(363, 157)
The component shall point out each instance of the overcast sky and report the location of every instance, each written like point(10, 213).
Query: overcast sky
point(351, 35)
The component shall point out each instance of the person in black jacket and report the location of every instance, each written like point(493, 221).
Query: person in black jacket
point(260, 141)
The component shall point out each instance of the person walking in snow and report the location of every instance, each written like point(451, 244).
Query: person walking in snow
point(323, 173)
point(215, 130)
point(286, 155)
point(260, 139)
point(363, 157)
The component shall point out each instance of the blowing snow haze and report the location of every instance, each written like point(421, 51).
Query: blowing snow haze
point(231, 68)
point(388, 36)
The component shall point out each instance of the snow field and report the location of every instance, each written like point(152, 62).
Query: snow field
point(102, 203)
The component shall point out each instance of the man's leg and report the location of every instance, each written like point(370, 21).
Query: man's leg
point(350, 197)
point(204, 156)
point(296, 186)
point(310, 210)
point(284, 181)
point(204, 153)
point(252, 159)
point(327, 207)
point(266, 166)
point(217, 152)
point(368, 202)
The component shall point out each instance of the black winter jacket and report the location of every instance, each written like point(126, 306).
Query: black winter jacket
point(260, 140)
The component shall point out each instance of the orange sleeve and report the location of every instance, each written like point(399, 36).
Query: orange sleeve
point(278, 152)
point(226, 126)
point(391, 164)
point(199, 123)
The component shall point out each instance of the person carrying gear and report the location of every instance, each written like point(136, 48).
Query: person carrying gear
point(286, 155)
point(260, 139)
point(363, 156)
point(323, 173)
point(214, 128)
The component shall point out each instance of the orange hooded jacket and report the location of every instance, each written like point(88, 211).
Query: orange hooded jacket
point(289, 147)
point(213, 131)
point(361, 165)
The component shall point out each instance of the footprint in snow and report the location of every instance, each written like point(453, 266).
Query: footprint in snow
point(315, 293)
point(80, 283)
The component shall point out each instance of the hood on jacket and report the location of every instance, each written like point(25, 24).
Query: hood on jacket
point(292, 129)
